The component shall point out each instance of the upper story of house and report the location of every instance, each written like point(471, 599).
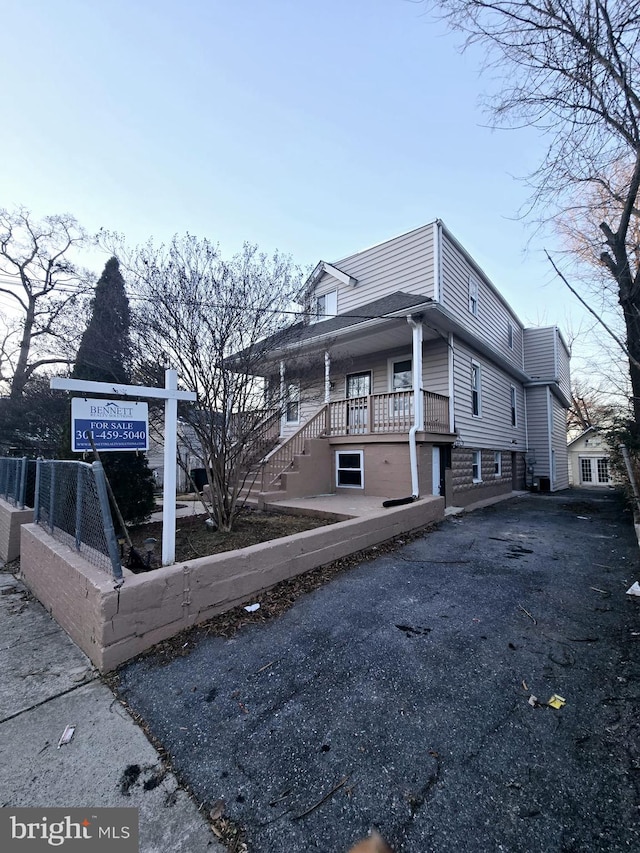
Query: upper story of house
point(429, 262)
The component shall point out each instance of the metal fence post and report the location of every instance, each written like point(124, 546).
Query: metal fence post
point(4, 478)
point(52, 498)
point(107, 521)
point(36, 496)
point(79, 497)
point(23, 482)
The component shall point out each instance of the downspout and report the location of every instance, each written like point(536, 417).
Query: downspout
point(418, 417)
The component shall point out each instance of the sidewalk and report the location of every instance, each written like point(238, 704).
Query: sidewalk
point(47, 683)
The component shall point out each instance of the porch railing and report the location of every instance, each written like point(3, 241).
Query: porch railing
point(281, 458)
point(387, 413)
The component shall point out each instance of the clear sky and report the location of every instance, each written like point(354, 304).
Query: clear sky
point(317, 127)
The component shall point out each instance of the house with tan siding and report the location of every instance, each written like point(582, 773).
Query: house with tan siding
point(411, 375)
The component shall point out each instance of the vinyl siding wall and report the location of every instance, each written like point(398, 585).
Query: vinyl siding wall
point(538, 420)
point(492, 322)
point(492, 430)
point(559, 444)
point(403, 263)
point(539, 353)
point(563, 367)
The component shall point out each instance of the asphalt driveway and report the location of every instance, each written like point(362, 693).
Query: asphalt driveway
point(399, 694)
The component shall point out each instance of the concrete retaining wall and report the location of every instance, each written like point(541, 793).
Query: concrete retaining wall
point(11, 520)
point(113, 626)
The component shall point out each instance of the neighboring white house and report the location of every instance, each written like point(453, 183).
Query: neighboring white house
point(417, 377)
point(589, 460)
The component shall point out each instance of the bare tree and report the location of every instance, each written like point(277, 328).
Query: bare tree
point(41, 286)
point(192, 311)
point(572, 68)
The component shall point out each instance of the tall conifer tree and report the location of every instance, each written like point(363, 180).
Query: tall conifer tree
point(103, 356)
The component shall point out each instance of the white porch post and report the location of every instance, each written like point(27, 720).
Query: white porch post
point(416, 363)
point(327, 377)
point(283, 401)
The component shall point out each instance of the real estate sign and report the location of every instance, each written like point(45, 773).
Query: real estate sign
point(114, 425)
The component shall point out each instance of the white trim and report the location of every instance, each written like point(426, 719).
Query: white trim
point(437, 290)
point(341, 276)
point(360, 453)
point(450, 354)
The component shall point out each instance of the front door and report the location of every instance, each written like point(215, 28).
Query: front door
point(358, 391)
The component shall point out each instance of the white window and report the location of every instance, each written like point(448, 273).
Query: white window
point(325, 306)
point(476, 390)
point(514, 406)
point(476, 466)
point(473, 296)
point(497, 463)
point(585, 470)
point(292, 409)
point(350, 469)
point(603, 470)
point(400, 374)
point(510, 335)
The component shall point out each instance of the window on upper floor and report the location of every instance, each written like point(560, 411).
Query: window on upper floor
point(476, 390)
point(514, 404)
point(510, 335)
point(473, 295)
point(324, 306)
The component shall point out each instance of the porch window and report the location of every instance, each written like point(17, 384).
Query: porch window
point(350, 469)
point(476, 466)
point(497, 463)
point(585, 470)
point(476, 390)
point(293, 403)
point(401, 375)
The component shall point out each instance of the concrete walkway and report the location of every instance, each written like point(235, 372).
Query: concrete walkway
point(46, 684)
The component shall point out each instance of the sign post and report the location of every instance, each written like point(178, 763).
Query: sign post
point(170, 395)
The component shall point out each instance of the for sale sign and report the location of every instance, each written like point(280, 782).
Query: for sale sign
point(114, 425)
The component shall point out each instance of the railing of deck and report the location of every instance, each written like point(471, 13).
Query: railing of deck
point(277, 462)
point(387, 413)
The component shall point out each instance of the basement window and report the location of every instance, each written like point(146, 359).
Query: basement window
point(350, 469)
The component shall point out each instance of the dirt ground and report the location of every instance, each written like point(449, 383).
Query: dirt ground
point(194, 539)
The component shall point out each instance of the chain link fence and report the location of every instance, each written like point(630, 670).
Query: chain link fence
point(17, 480)
point(72, 504)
